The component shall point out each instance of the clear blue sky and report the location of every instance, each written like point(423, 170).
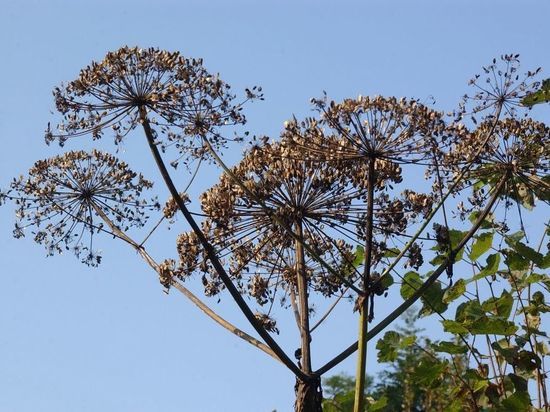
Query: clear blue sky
point(108, 339)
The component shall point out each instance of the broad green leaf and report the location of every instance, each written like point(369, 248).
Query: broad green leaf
point(388, 347)
point(516, 261)
point(480, 385)
point(386, 281)
point(428, 371)
point(508, 353)
point(540, 96)
point(493, 262)
point(449, 347)
point(433, 300)
point(519, 383)
point(526, 252)
point(470, 311)
point(516, 236)
point(534, 278)
point(456, 237)
point(492, 326)
point(481, 245)
point(501, 306)
point(454, 327)
point(517, 402)
point(455, 291)
point(488, 222)
point(359, 256)
point(411, 283)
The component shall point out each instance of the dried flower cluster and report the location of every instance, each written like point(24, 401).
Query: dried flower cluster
point(518, 150)
point(386, 129)
point(499, 90)
point(171, 208)
point(253, 225)
point(183, 98)
point(67, 199)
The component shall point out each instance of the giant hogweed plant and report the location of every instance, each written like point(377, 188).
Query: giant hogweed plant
point(324, 215)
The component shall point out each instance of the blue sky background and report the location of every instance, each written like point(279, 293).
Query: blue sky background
point(108, 339)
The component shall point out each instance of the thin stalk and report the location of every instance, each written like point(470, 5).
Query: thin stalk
point(364, 315)
point(329, 310)
point(186, 292)
point(420, 291)
point(210, 252)
point(303, 302)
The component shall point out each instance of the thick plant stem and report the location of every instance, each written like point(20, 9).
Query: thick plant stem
point(364, 315)
point(301, 282)
point(210, 252)
point(309, 397)
point(186, 292)
point(420, 291)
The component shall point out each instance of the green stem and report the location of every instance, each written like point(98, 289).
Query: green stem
point(420, 291)
point(364, 314)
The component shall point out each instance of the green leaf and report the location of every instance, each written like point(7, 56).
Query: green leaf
point(470, 311)
point(501, 306)
point(527, 361)
point(492, 326)
point(519, 383)
point(488, 222)
point(526, 252)
point(454, 327)
point(456, 236)
point(517, 402)
point(449, 347)
point(378, 405)
point(493, 262)
point(503, 348)
point(540, 96)
point(545, 264)
point(407, 341)
point(391, 253)
point(359, 256)
point(534, 278)
point(516, 261)
point(433, 300)
point(455, 291)
point(388, 347)
point(411, 283)
point(386, 281)
point(428, 371)
point(481, 245)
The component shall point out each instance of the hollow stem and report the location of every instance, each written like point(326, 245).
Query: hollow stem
point(364, 313)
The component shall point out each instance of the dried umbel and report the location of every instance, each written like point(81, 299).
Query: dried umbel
point(499, 90)
point(179, 94)
point(518, 150)
point(282, 194)
point(392, 131)
point(70, 198)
